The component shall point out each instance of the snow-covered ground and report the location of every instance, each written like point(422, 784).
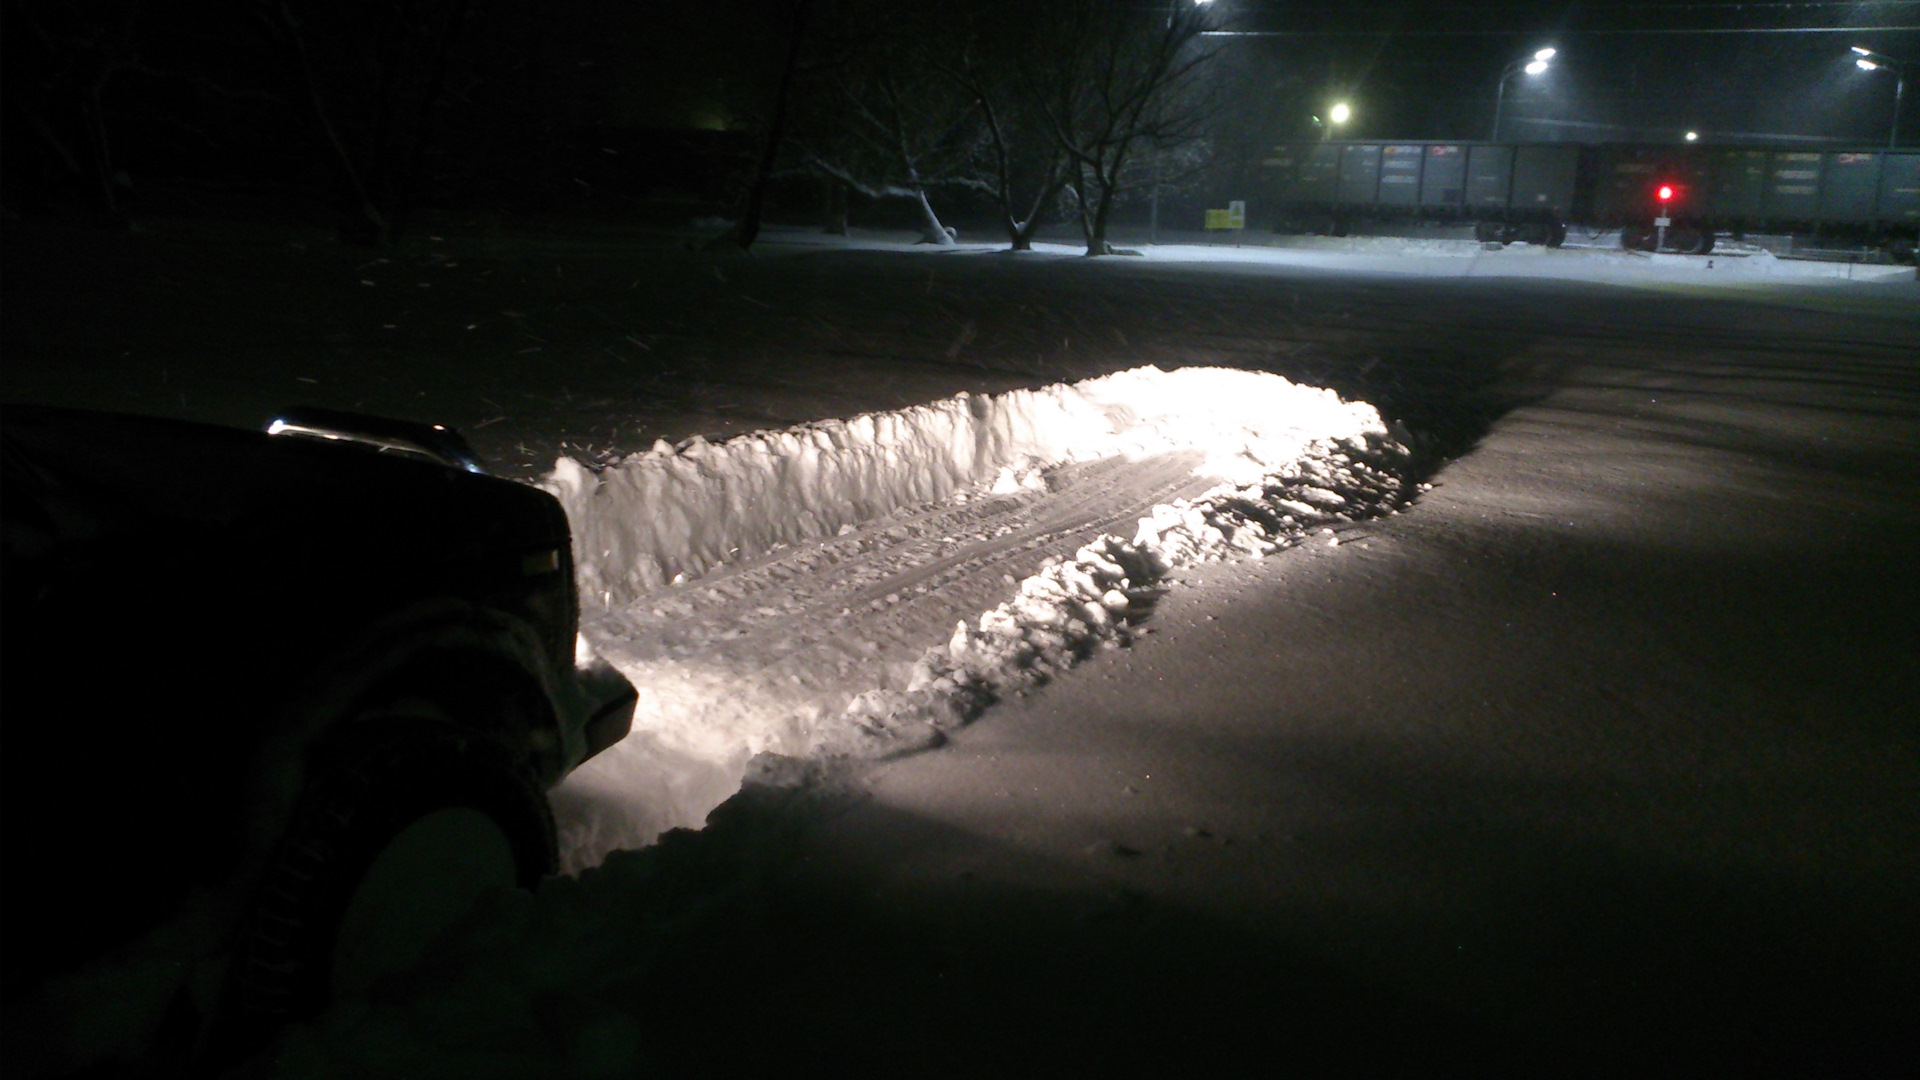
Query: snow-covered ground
point(851, 510)
point(1598, 258)
point(856, 587)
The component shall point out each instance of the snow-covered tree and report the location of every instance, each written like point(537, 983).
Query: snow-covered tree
point(880, 117)
point(1023, 167)
point(1016, 101)
point(1123, 83)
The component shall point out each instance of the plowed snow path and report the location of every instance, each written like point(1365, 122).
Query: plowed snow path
point(751, 656)
point(860, 587)
point(886, 589)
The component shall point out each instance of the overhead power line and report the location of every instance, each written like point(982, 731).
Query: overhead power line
point(1638, 8)
point(1561, 33)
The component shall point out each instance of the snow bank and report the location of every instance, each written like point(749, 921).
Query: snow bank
point(1286, 458)
point(673, 513)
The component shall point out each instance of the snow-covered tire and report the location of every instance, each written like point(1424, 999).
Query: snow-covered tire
point(391, 803)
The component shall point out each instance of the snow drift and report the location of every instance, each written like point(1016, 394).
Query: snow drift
point(1281, 459)
point(675, 512)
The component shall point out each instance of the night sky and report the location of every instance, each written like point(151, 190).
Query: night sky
point(1643, 70)
point(1646, 70)
point(125, 107)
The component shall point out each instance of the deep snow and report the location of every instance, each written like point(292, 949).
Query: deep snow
point(650, 530)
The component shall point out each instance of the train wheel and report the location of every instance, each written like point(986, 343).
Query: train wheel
point(1556, 234)
point(1486, 232)
point(1687, 240)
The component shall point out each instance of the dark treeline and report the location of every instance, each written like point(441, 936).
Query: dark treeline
point(370, 108)
point(368, 111)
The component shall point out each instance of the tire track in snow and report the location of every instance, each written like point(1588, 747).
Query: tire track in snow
point(894, 576)
point(768, 655)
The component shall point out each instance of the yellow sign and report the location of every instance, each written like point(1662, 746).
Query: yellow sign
point(1233, 217)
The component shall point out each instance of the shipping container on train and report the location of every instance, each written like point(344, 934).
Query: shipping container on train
point(1532, 191)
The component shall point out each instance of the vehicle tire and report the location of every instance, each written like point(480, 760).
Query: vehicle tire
point(1706, 241)
point(1556, 234)
point(1486, 232)
point(403, 825)
point(1687, 240)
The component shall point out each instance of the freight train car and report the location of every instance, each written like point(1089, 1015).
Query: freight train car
point(1532, 191)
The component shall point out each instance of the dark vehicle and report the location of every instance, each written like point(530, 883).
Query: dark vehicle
point(1532, 191)
point(277, 710)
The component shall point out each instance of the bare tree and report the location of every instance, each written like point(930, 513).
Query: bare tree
point(748, 230)
point(367, 83)
point(62, 61)
point(883, 120)
point(1024, 168)
point(1123, 82)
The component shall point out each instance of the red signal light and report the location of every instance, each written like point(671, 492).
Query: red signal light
point(1666, 192)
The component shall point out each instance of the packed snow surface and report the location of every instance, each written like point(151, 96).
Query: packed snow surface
point(856, 587)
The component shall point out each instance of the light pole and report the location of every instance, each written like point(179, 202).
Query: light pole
point(1532, 67)
point(1153, 217)
point(1868, 60)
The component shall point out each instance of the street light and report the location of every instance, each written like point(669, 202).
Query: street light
point(1868, 60)
point(1532, 67)
point(1338, 113)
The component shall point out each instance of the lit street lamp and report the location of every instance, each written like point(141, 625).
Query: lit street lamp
point(1868, 60)
point(1340, 113)
point(1532, 67)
